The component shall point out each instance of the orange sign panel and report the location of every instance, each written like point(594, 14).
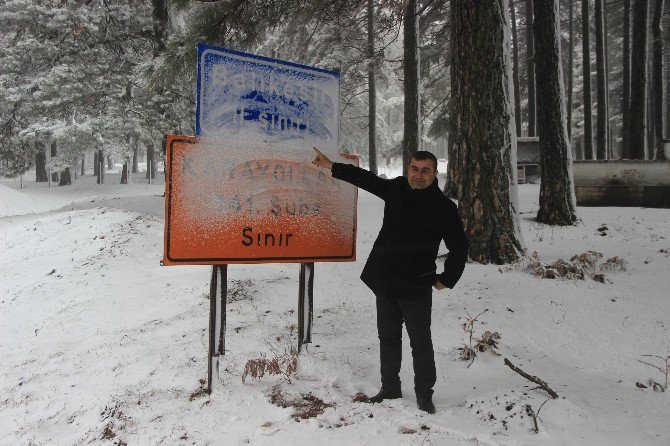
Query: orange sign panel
point(261, 204)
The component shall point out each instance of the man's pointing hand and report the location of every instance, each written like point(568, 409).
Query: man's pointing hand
point(322, 160)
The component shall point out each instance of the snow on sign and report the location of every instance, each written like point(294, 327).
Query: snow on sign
point(244, 190)
point(243, 96)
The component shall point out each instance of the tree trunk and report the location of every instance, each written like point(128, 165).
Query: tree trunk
point(136, 143)
point(161, 18)
point(515, 71)
point(667, 77)
point(610, 154)
point(54, 154)
point(638, 79)
point(601, 85)
point(83, 165)
point(557, 194)
point(65, 178)
point(649, 118)
point(96, 164)
point(625, 100)
point(530, 69)
point(658, 81)
point(586, 68)
point(124, 173)
point(570, 65)
point(579, 150)
point(411, 130)
point(372, 91)
point(41, 163)
point(101, 167)
point(151, 169)
point(482, 129)
point(453, 186)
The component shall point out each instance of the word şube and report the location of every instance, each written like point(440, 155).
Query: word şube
point(278, 205)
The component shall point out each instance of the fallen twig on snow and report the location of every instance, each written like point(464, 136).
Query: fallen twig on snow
point(665, 370)
point(534, 415)
point(543, 385)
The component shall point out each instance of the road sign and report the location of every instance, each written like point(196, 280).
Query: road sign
point(253, 98)
point(222, 208)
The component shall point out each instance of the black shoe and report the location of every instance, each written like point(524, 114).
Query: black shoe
point(425, 403)
point(385, 394)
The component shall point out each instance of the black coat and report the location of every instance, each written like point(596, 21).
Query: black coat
point(402, 261)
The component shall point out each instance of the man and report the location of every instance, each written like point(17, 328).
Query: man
point(401, 267)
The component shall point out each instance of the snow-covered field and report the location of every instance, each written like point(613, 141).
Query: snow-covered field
point(101, 345)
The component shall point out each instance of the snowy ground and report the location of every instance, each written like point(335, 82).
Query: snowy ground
point(102, 345)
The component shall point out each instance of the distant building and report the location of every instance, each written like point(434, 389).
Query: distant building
point(528, 159)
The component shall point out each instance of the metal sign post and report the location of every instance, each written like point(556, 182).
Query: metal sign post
point(218, 294)
point(305, 304)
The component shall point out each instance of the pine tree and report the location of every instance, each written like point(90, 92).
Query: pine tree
point(411, 140)
point(482, 131)
point(658, 81)
point(515, 71)
point(372, 90)
point(570, 67)
point(602, 127)
point(586, 70)
point(638, 103)
point(557, 196)
point(530, 70)
point(625, 95)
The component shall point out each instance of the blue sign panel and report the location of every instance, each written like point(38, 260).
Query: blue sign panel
point(268, 101)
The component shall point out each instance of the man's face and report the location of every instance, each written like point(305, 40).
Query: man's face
point(421, 173)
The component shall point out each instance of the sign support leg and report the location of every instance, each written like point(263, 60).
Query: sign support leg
point(218, 293)
point(305, 304)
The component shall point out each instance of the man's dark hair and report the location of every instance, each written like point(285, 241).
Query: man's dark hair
point(424, 155)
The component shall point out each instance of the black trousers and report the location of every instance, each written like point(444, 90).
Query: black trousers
point(416, 314)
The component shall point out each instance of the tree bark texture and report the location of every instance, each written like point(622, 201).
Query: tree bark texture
point(40, 163)
point(607, 79)
point(666, 54)
point(124, 173)
point(570, 65)
point(101, 167)
point(452, 188)
point(557, 194)
point(658, 81)
point(586, 71)
point(515, 71)
point(136, 149)
point(151, 166)
point(649, 119)
point(96, 164)
point(638, 79)
point(411, 131)
point(625, 100)
point(482, 129)
point(530, 69)
point(372, 92)
point(601, 85)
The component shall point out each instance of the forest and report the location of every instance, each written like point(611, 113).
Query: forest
point(105, 80)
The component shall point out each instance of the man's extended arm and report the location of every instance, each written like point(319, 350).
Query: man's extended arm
point(355, 175)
